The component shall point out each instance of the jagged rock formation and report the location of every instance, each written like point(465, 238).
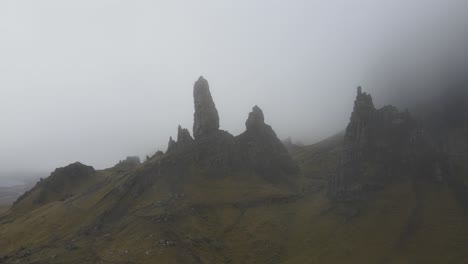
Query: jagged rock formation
point(261, 148)
point(171, 145)
point(183, 137)
point(258, 148)
point(214, 155)
point(202, 203)
point(206, 119)
point(184, 140)
point(379, 146)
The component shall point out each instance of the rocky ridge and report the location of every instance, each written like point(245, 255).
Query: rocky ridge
point(258, 148)
point(189, 205)
point(381, 145)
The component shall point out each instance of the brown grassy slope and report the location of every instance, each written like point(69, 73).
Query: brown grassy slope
point(273, 231)
point(3, 209)
point(241, 218)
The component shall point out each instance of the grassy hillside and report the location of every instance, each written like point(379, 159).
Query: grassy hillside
point(3, 209)
point(180, 213)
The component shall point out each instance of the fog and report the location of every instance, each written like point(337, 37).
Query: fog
point(97, 80)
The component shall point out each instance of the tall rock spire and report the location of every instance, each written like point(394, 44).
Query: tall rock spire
point(206, 119)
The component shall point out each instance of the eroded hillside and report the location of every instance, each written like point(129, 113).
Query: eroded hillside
point(219, 198)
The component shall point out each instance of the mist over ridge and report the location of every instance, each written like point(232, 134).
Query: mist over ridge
point(101, 88)
point(249, 131)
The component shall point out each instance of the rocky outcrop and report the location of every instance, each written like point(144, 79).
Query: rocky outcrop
point(380, 145)
point(206, 119)
point(60, 185)
point(184, 140)
point(183, 137)
point(171, 145)
point(73, 172)
point(256, 119)
point(262, 149)
point(219, 152)
point(130, 162)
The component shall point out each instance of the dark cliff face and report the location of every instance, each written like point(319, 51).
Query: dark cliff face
point(380, 146)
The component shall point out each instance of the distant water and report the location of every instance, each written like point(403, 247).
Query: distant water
point(8, 182)
point(14, 178)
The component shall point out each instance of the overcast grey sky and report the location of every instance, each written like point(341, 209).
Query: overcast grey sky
point(97, 80)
